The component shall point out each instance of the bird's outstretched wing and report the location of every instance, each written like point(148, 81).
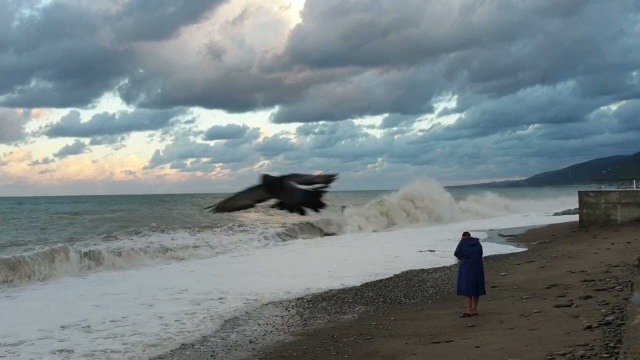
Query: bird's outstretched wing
point(309, 179)
point(241, 200)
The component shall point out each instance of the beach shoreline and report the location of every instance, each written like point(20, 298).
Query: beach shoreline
point(568, 293)
point(243, 335)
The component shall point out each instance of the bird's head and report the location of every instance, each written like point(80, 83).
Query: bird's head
point(271, 181)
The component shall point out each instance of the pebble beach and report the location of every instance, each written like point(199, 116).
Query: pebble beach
point(567, 297)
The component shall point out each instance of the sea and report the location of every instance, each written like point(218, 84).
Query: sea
point(134, 276)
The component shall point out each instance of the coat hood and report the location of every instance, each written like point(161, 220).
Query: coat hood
point(472, 241)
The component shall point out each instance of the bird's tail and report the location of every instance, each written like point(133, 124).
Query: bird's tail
point(310, 199)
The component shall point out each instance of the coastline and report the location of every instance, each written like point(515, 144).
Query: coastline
point(245, 335)
point(549, 303)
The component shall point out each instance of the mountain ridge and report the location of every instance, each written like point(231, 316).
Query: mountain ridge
point(609, 169)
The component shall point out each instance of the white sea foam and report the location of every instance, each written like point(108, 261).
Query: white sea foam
point(418, 204)
point(427, 203)
point(488, 204)
point(145, 249)
point(141, 312)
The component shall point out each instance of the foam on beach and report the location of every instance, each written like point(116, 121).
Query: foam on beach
point(427, 202)
point(147, 311)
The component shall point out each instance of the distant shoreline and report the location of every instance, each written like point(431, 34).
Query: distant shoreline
point(479, 186)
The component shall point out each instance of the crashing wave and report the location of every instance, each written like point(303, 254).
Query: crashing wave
point(419, 204)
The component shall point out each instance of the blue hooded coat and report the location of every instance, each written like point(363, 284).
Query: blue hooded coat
point(471, 271)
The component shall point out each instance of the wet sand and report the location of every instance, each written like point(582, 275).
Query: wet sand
point(564, 298)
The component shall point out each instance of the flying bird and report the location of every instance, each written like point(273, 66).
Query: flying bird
point(286, 189)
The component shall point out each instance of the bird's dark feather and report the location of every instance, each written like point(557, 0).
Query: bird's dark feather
point(285, 189)
point(241, 200)
point(309, 179)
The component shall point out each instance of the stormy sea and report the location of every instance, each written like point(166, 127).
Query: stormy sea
point(133, 276)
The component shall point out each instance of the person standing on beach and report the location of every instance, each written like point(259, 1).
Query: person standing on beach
point(471, 282)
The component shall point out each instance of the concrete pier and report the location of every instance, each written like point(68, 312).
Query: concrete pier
point(608, 207)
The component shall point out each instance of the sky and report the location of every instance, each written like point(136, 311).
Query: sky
point(177, 96)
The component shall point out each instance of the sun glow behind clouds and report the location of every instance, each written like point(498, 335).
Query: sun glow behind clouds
point(82, 167)
point(293, 11)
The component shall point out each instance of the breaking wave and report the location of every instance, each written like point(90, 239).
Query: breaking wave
point(429, 203)
point(139, 248)
point(419, 204)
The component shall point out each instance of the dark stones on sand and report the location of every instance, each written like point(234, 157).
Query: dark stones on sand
point(564, 304)
point(541, 242)
point(611, 323)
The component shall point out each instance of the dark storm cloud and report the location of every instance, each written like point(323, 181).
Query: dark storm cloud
point(108, 140)
point(396, 120)
point(275, 145)
point(195, 165)
point(327, 135)
point(346, 60)
point(55, 56)
point(69, 53)
point(348, 141)
point(233, 135)
point(628, 115)
point(11, 126)
point(235, 87)
point(76, 148)
point(332, 143)
point(518, 153)
point(492, 49)
point(342, 141)
point(156, 20)
point(333, 33)
point(249, 137)
point(225, 132)
point(552, 131)
point(183, 149)
point(534, 105)
point(415, 31)
point(370, 93)
point(105, 124)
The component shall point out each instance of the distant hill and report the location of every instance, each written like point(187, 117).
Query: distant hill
point(601, 170)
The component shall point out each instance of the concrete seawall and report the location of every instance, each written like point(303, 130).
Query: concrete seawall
point(608, 207)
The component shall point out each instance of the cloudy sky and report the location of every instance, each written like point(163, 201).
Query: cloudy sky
point(151, 96)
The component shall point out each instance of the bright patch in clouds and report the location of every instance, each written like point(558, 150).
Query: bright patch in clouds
point(293, 11)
